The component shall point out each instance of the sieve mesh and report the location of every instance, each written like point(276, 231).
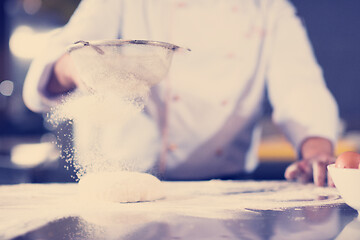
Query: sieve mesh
point(107, 64)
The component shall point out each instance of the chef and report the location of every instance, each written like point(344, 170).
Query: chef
point(203, 121)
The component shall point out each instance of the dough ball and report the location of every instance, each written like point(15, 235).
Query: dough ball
point(122, 186)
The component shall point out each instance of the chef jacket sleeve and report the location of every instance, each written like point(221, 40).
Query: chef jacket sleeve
point(303, 105)
point(92, 20)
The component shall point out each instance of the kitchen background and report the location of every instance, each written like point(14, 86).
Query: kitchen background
point(26, 154)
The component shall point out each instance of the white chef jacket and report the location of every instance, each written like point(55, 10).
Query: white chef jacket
point(205, 116)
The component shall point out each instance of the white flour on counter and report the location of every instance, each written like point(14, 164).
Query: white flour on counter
point(25, 206)
point(222, 199)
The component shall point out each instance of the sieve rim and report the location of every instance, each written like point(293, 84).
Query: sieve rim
point(117, 42)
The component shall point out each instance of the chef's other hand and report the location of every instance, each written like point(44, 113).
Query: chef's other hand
point(64, 76)
point(316, 154)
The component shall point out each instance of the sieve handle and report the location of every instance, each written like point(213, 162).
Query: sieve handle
point(85, 43)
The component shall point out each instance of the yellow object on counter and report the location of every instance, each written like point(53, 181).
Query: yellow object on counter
point(279, 149)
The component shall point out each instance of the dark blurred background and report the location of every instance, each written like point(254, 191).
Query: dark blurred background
point(332, 25)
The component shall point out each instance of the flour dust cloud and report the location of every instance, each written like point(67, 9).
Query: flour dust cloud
point(113, 88)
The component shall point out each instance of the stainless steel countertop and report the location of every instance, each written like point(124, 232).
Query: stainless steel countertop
point(191, 210)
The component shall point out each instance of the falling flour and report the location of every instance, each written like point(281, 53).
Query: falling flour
point(94, 118)
point(114, 88)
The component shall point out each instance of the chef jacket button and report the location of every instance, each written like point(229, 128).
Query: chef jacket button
point(235, 9)
point(171, 147)
point(176, 98)
point(181, 4)
point(230, 55)
point(224, 102)
point(219, 152)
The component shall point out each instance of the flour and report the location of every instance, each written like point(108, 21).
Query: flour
point(28, 206)
point(92, 116)
point(223, 199)
point(114, 86)
point(120, 187)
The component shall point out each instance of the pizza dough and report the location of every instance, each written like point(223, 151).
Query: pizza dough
point(122, 186)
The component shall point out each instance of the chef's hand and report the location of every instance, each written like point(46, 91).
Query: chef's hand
point(64, 77)
point(316, 154)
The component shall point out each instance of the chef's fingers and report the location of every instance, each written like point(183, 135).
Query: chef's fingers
point(319, 172)
point(303, 178)
point(306, 167)
point(292, 171)
point(305, 170)
point(330, 182)
point(305, 173)
point(299, 171)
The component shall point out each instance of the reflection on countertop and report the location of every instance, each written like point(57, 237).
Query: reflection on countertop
point(296, 223)
point(191, 210)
